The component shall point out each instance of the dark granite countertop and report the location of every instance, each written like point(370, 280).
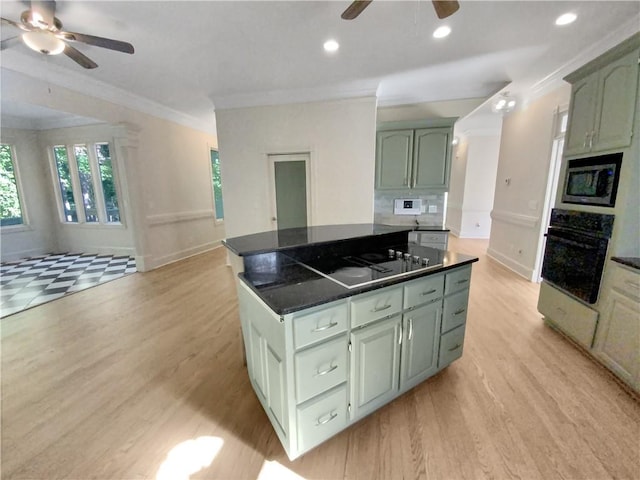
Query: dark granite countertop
point(287, 286)
point(430, 229)
point(633, 262)
point(277, 240)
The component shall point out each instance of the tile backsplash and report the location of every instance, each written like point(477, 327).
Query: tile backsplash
point(383, 208)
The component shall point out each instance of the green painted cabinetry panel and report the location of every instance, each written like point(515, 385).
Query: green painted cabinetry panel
point(393, 159)
point(602, 107)
point(430, 158)
point(375, 361)
point(421, 331)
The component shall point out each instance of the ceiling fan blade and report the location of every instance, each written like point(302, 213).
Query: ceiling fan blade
point(355, 9)
point(97, 41)
point(445, 8)
point(14, 24)
point(46, 9)
point(8, 42)
point(79, 57)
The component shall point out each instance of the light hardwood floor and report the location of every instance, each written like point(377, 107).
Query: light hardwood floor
point(106, 382)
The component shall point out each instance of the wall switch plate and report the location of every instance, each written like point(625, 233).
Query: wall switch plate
point(433, 209)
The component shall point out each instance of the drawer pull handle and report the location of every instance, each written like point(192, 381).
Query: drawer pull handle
point(632, 284)
point(379, 309)
point(458, 312)
point(429, 292)
point(410, 328)
point(464, 280)
point(324, 372)
point(325, 327)
point(561, 311)
point(327, 420)
point(455, 348)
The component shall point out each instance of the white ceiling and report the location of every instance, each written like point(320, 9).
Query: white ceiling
point(192, 57)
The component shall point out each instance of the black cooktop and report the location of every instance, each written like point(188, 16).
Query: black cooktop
point(352, 271)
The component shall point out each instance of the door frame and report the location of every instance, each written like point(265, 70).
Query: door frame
point(272, 159)
point(556, 154)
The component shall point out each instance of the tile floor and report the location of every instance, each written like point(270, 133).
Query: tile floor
point(30, 282)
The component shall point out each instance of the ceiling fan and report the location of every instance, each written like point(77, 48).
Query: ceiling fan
point(443, 8)
point(44, 34)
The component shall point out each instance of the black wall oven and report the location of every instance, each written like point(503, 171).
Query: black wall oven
point(575, 252)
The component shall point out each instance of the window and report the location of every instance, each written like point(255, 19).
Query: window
point(106, 179)
point(217, 184)
point(86, 178)
point(10, 207)
point(64, 179)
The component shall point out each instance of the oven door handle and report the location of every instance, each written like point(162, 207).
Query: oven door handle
point(573, 243)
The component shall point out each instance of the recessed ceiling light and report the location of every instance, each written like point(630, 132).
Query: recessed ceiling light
point(442, 32)
point(566, 18)
point(331, 46)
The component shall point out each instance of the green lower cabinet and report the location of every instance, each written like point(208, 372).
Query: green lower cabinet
point(375, 358)
point(421, 333)
point(451, 345)
point(319, 370)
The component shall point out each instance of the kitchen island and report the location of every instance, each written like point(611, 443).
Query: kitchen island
point(339, 320)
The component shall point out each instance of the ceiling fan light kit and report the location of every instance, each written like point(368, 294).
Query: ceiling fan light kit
point(44, 34)
point(43, 41)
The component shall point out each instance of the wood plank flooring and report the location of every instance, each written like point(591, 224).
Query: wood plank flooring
point(106, 382)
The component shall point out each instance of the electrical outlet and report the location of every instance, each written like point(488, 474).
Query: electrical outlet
point(433, 209)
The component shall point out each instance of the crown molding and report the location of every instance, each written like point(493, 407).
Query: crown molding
point(349, 91)
point(555, 79)
point(40, 70)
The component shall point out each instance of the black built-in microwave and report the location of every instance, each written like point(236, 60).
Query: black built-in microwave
point(592, 180)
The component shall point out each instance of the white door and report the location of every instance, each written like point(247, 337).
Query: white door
point(289, 190)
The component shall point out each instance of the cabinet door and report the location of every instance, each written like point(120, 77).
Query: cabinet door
point(421, 332)
point(393, 159)
point(581, 115)
point(375, 365)
point(431, 158)
point(620, 344)
point(616, 103)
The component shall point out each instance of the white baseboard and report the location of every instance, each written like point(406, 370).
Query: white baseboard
point(511, 264)
point(151, 263)
point(20, 254)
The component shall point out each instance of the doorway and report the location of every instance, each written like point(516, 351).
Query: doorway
point(559, 129)
point(289, 190)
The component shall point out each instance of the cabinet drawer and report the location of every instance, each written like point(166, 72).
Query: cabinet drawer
point(571, 316)
point(373, 306)
point(457, 280)
point(423, 290)
point(315, 326)
point(322, 418)
point(439, 246)
point(320, 368)
point(451, 345)
point(454, 312)
point(432, 237)
point(626, 281)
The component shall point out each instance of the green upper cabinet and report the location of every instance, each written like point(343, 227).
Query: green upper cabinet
point(393, 159)
point(431, 158)
point(414, 158)
point(603, 100)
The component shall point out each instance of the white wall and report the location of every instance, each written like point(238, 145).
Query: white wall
point(167, 171)
point(523, 166)
point(473, 175)
point(37, 235)
point(340, 137)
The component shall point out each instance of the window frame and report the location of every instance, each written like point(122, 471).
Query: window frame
point(213, 192)
point(25, 225)
point(96, 180)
